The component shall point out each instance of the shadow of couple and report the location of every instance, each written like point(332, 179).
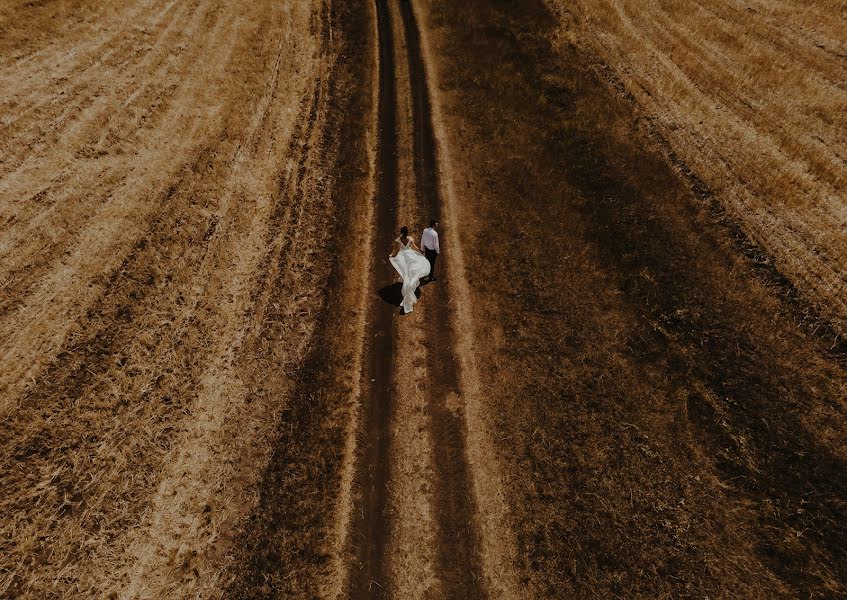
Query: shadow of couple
point(393, 294)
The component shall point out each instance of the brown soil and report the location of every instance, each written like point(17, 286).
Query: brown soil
point(667, 427)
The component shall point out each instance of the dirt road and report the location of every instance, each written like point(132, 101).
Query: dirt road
point(384, 471)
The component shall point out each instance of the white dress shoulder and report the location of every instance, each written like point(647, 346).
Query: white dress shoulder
point(412, 266)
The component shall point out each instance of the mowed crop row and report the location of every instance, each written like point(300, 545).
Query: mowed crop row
point(752, 97)
point(164, 201)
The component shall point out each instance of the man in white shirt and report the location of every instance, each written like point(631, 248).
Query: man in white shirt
point(429, 242)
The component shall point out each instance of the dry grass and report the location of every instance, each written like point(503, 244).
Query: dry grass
point(162, 209)
point(752, 97)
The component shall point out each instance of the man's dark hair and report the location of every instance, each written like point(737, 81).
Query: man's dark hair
point(432, 222)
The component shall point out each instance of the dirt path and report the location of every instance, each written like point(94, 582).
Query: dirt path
point(369, 525)
point(442, 477)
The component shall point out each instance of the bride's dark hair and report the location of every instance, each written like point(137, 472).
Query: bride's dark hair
point(404, 231)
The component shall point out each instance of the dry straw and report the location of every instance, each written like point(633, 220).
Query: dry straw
point(752, 97)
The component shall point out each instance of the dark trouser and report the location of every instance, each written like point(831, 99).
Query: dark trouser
point(431, 255)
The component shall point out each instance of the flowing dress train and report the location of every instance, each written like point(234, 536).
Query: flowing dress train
point(412, 266)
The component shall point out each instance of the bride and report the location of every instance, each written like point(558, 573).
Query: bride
point(411, 264)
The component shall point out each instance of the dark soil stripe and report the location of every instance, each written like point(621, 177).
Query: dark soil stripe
point(369, 576)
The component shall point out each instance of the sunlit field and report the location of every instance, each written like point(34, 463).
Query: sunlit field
point(752, 97)
point(626, 380)
point(150, 204)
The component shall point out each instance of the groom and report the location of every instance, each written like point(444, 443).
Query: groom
point(429, 242)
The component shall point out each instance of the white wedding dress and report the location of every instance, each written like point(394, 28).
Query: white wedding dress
point(411, 265)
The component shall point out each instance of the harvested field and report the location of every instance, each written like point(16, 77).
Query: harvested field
point(625, 383)
point(752, 99)
point(169, 188)
point(665, 427)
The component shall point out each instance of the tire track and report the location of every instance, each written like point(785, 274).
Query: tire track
point(458, 539)
point(369, 525)
point(458, 564)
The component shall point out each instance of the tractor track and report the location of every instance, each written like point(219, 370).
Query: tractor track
point(457, 538)
point(370, 530)
point(457, 541)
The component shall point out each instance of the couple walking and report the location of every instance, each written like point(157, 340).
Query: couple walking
point(413, 266)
